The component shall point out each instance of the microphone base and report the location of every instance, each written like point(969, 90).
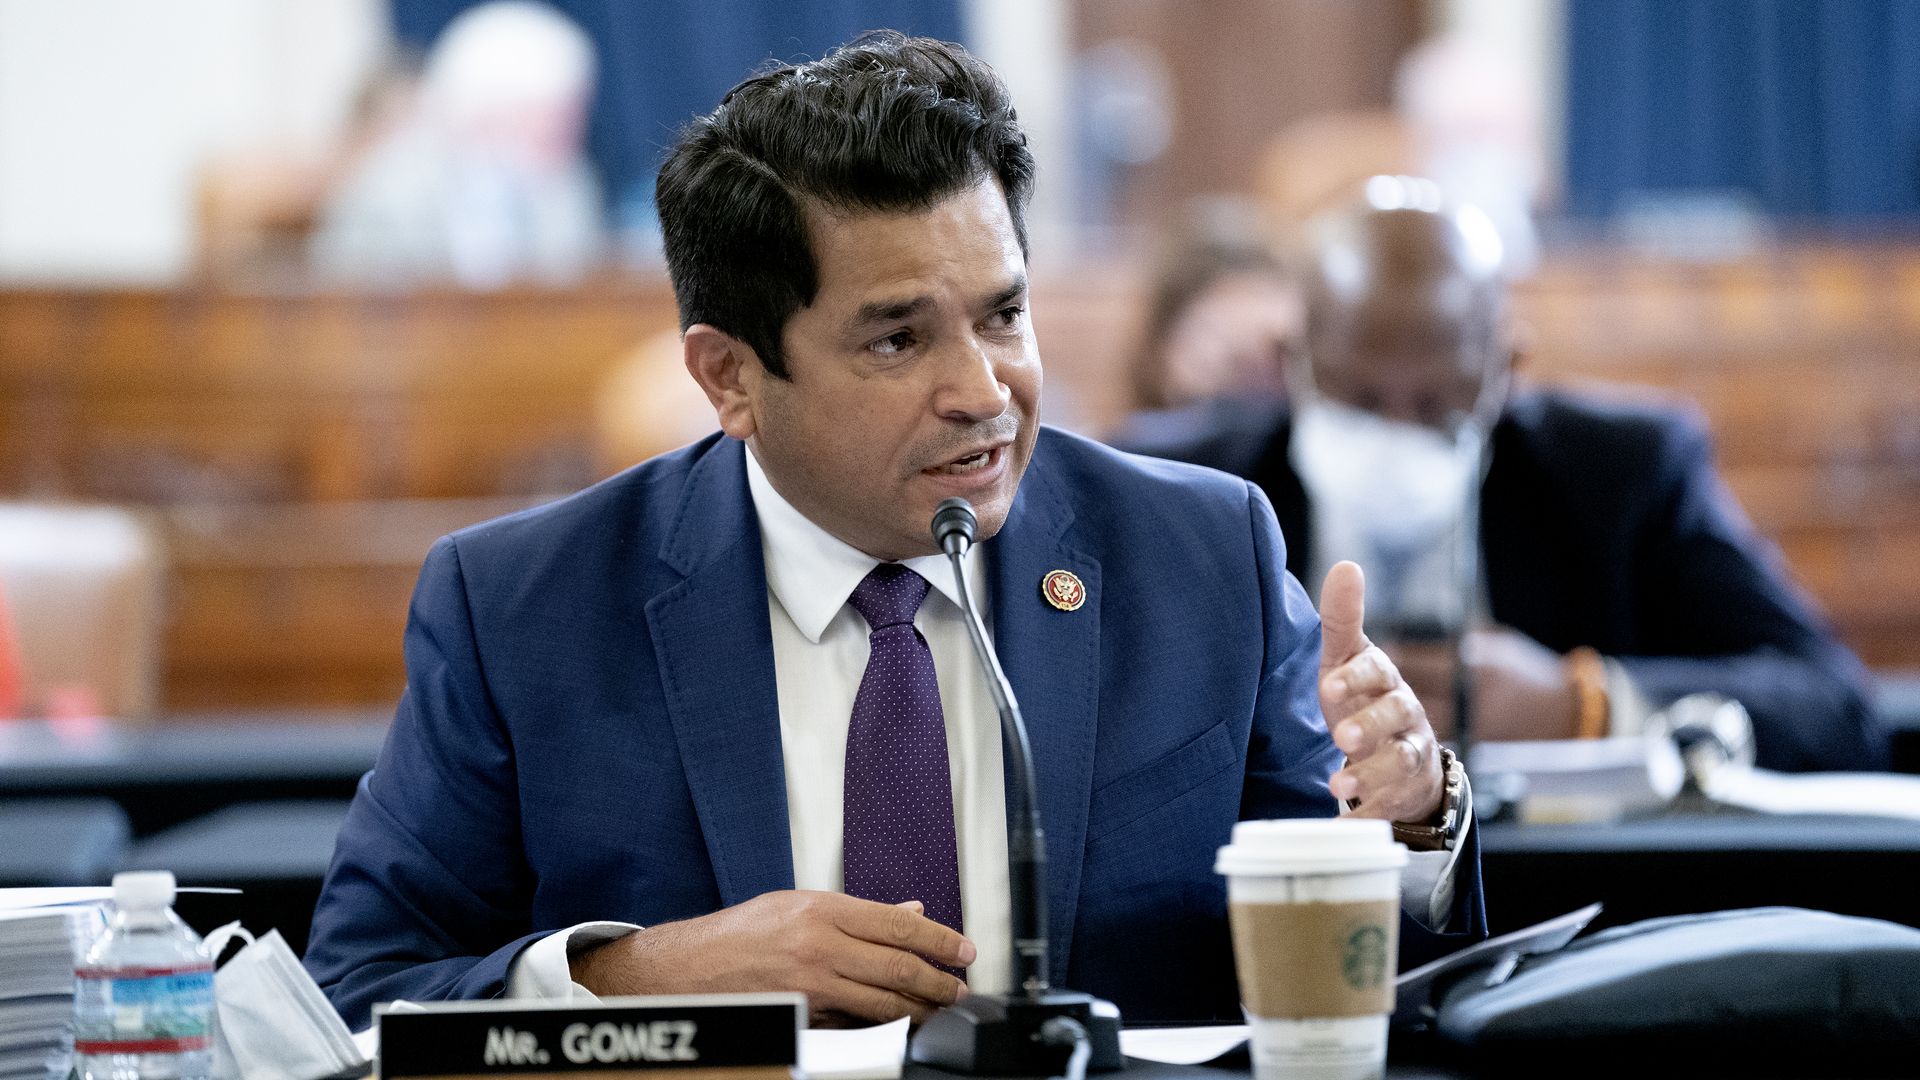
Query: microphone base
point(999, 1035)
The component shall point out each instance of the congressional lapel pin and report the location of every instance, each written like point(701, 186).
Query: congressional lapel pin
point(1063, 590)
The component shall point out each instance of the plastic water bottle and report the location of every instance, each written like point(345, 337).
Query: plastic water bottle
point(143, 994)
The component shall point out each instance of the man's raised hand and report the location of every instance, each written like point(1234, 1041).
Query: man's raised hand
point(1393, 759)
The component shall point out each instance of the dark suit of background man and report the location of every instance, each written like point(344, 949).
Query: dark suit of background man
point(1618, 573)
point(617, 704)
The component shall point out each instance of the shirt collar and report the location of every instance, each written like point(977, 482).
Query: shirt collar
point(812, 572)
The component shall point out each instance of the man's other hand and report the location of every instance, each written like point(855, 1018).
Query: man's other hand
point(1393, 759)
point(1521, 688)
point(852, 958)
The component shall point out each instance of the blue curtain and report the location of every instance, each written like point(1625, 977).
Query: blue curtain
point(662, 63)
point(1810, 107)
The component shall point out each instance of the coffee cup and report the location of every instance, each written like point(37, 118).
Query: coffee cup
point(1315, 909)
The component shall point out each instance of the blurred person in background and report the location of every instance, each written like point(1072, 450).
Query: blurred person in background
point(1222, 318)
point(258, 208)
point(1581, 560)
point(486, 182)
point(12, 688)
point(647, 406)
point(83, 612)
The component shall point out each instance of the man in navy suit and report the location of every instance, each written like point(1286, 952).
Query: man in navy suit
point(712, 724)
point(1614, 573)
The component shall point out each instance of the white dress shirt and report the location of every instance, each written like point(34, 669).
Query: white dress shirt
point(820, 650)
point(820, 653)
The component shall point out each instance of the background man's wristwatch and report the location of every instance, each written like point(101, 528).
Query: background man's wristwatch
point(1442, 831)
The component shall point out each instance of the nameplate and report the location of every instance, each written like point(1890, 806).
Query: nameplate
point(712, 1036)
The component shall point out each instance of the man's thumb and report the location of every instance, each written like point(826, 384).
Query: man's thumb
point(1343, 613)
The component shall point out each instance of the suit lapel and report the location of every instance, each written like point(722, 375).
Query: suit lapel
point(714, 646)
point(1052, 658)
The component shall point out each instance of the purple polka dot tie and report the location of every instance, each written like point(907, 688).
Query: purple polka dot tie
point(898, 816)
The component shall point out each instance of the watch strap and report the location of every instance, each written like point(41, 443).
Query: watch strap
point(1441, 831)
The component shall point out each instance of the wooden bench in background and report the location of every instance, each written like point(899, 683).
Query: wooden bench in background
point(1807, 365)
point(303, 450)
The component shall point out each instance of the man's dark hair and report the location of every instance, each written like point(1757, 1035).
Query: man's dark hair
point(883, 123)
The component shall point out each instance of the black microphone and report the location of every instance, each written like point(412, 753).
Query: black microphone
point(1036, 1029)
point(953, 525)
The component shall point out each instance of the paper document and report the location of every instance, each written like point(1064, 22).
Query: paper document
point(38, 947)
point(63, 896)
point(1568, 780)
point(871, 1053)
point(1183, 1045)
point(1861, 794)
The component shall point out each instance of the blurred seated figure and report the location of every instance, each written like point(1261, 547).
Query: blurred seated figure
point(13, 692)
point(647, 406)
point(485, 182)
point(83, 587)
point(1222, 317)
point(259, 206)
point(1580, 560)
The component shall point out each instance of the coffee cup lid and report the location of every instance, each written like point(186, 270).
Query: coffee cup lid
point(1311, 846)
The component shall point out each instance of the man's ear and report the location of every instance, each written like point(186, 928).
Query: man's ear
point(729, 371)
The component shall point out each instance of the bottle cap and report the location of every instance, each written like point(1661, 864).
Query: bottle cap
point(143, 890)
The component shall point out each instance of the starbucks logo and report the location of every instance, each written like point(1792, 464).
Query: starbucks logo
point(1364, 960)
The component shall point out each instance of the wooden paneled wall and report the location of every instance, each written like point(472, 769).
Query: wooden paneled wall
point(1238, 73)
point(304, 450)
point(200, 396)
point(1807, 364)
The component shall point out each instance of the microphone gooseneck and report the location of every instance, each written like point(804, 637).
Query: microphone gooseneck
point(954, 525)
point(1035, 1030)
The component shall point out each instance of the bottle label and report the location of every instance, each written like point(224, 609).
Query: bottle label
point(143, 1010)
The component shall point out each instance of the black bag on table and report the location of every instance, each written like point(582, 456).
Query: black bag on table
point(1765, 991)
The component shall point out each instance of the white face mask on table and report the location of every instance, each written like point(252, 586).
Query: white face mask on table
point(274, 1023)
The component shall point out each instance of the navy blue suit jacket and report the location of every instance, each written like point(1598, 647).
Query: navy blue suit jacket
point(590, 728)
point(1604, 524)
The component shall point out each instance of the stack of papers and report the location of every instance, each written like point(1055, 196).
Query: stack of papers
point(872, 1053)
point(38, 947)
point(1183, 1045)
point(1847, 794)
point(1579, 780)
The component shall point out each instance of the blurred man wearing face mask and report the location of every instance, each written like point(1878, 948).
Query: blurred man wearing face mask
point(1580, 559)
